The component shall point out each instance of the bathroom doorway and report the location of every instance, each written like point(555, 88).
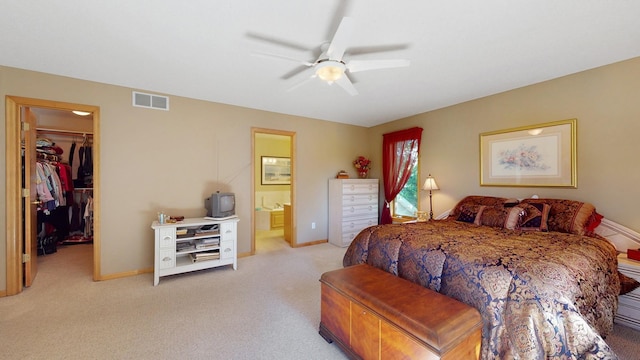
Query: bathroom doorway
point(273, 190)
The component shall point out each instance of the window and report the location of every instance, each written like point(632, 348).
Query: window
point(400, 152)
point(406, 202)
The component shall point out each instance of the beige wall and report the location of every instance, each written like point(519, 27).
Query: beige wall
point(168, 160)
point(606, 105)
point(154, 160)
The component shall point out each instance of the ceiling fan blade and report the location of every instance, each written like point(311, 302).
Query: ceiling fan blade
point(294, 72)
point(363, 50)
point(279, 42)
point(342, 8)
point(304, 77)
point(363, 65)
point(340, 39)
point(347, 85)
point(276, 56)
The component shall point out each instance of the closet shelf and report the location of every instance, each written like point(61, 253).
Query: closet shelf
point(63, 132)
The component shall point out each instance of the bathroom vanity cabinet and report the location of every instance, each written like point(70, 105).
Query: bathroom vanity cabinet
point(287, 223)
point(277, 219)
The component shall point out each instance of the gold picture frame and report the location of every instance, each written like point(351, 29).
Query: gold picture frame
point(275, 170)
point(542, 155)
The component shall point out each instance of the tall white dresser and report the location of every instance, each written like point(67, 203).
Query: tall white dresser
point(353, 206)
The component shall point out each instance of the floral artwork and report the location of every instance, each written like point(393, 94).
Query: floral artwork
point(362, 165)
point(536, 155)
point(522, 158)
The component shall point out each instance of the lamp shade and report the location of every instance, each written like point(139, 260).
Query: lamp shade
point(430, 184)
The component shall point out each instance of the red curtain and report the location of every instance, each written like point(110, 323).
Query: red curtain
point(397, 163)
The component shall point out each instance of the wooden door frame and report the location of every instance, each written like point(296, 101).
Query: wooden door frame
point(292, 152)
point(30, 211)
point(13, 207)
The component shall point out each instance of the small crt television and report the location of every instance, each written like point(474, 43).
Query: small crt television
point(220, 205)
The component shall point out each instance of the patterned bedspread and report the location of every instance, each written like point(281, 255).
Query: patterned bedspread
point(541, 294)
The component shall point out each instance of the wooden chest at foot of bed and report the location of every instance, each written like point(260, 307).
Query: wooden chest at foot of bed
point(372, 314)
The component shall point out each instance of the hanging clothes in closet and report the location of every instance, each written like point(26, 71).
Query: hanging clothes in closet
point(54, 188)
point(81, 217)
point(84, 178)
point(81, 209)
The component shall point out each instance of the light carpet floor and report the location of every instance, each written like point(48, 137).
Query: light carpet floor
point(268, 309)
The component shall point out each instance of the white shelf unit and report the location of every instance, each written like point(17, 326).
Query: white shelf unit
point(353, 206)
point(175, 251)
point(629, 304)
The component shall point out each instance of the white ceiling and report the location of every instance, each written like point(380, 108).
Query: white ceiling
point(459, 49)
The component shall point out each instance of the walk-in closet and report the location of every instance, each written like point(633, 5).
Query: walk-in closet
point(64, 179)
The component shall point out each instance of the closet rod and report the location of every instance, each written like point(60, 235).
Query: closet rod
point(64, 132)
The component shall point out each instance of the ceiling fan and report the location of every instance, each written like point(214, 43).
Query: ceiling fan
point(331, 66)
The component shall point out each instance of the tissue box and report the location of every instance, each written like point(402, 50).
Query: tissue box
point(633, 254)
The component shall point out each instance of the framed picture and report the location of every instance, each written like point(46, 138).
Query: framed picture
point(537, 155)
point(276, 170)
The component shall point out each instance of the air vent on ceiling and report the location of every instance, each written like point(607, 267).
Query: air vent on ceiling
point(150, 101)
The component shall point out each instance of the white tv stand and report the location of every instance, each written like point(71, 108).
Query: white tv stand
point(194, 244)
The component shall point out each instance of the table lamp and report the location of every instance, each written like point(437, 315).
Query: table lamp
point(430, 184)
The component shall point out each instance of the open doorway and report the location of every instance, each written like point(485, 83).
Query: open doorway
point(273, 190)
point(22, 230)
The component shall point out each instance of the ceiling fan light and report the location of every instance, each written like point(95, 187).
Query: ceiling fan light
point(330, 70)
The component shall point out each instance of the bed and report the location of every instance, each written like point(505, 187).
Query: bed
point(545, 283)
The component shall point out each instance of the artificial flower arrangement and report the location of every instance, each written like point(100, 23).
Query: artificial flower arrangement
point(362, 165)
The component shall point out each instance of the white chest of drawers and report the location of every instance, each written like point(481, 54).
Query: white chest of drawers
point(353, 206)
point(629, 304)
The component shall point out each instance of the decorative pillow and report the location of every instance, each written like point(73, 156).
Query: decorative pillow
point(468, 213)
point(535, 217)
point(627, 284)
point(568, 216)
point(476, 200)
point(500, 216)
point(593, 222)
